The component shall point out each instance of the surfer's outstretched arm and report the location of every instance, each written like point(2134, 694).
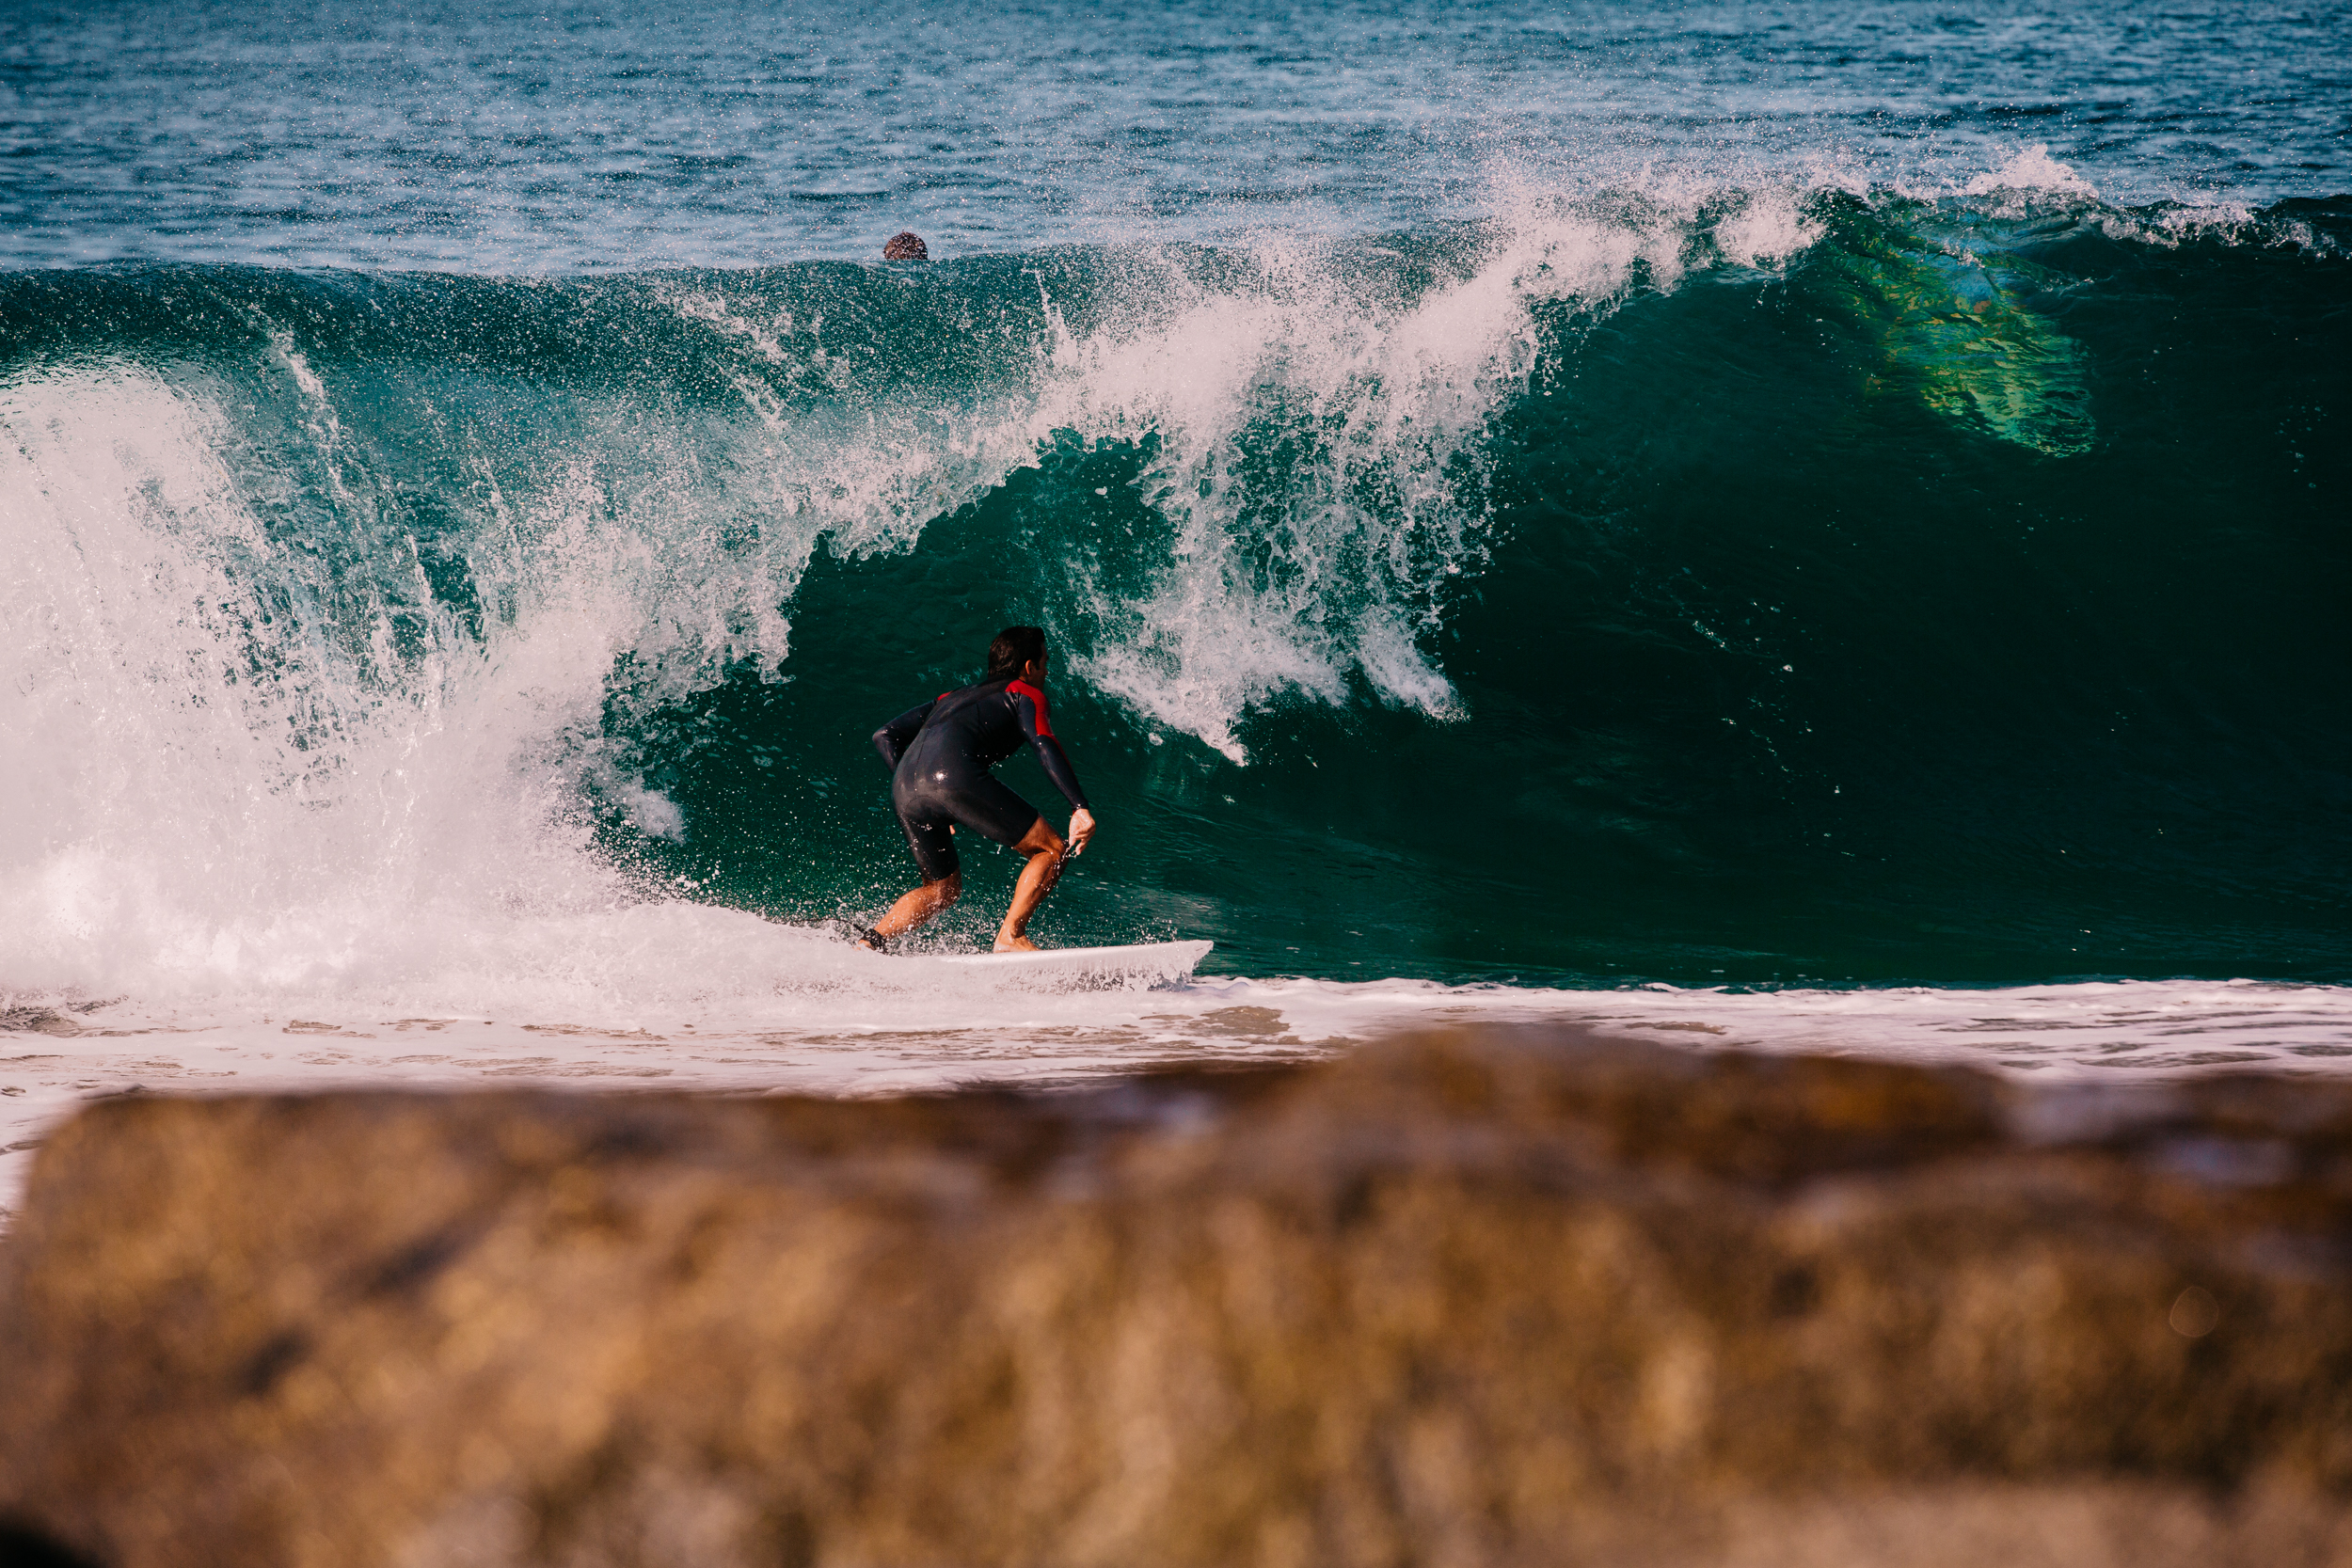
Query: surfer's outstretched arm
point(1028, 707)
point(1055, 762)
point(893, 738)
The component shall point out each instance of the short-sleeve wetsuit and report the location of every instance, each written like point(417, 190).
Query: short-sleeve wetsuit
point(940, 754)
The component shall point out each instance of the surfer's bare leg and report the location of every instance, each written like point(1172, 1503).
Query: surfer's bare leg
point(920, 905)
point(1044, 848)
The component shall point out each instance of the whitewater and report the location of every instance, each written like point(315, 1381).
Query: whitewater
point(1821, 582)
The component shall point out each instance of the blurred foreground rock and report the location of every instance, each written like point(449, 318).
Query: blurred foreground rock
point(1510, 1299)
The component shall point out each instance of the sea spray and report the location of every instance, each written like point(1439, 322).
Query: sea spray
point(360, 612)
point(1672, 581)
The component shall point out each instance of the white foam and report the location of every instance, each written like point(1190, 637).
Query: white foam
point(1769, 230)
point(675, 997)
point(2031, 168)
point(261, 759)
point(1336, 569)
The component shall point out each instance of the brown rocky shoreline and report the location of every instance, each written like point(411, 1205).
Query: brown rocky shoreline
point(1493, 1298)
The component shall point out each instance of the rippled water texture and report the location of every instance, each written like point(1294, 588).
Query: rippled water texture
point(626, 135)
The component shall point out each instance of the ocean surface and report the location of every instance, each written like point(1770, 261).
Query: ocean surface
point(1805, 526)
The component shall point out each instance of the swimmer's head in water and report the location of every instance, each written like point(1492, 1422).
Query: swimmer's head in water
point(1015, 649)
point(906, 245)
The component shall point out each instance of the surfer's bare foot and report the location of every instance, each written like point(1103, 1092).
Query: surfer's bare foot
point(1015, 944)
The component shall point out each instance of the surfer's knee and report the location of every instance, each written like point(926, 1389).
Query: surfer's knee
point(1040, 840)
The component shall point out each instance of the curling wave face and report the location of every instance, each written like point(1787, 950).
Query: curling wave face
point(1753, 585)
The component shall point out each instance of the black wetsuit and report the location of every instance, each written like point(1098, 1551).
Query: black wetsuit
point(940, 754)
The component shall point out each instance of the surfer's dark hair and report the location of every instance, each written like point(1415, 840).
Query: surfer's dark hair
point(1012, 650)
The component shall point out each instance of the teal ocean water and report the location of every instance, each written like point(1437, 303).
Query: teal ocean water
point(1952, 593)
point(1800, 505)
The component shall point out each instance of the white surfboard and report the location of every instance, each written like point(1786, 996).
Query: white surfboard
point(1132, 967)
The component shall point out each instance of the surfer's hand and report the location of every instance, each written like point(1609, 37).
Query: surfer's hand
point(1081, 829)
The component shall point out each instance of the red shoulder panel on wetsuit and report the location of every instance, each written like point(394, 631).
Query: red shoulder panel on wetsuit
point(1044, 727)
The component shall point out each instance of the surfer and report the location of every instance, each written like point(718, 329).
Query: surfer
point(906, 245)
point(940, 754)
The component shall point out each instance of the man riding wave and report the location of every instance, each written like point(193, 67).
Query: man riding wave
point(940, 754)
